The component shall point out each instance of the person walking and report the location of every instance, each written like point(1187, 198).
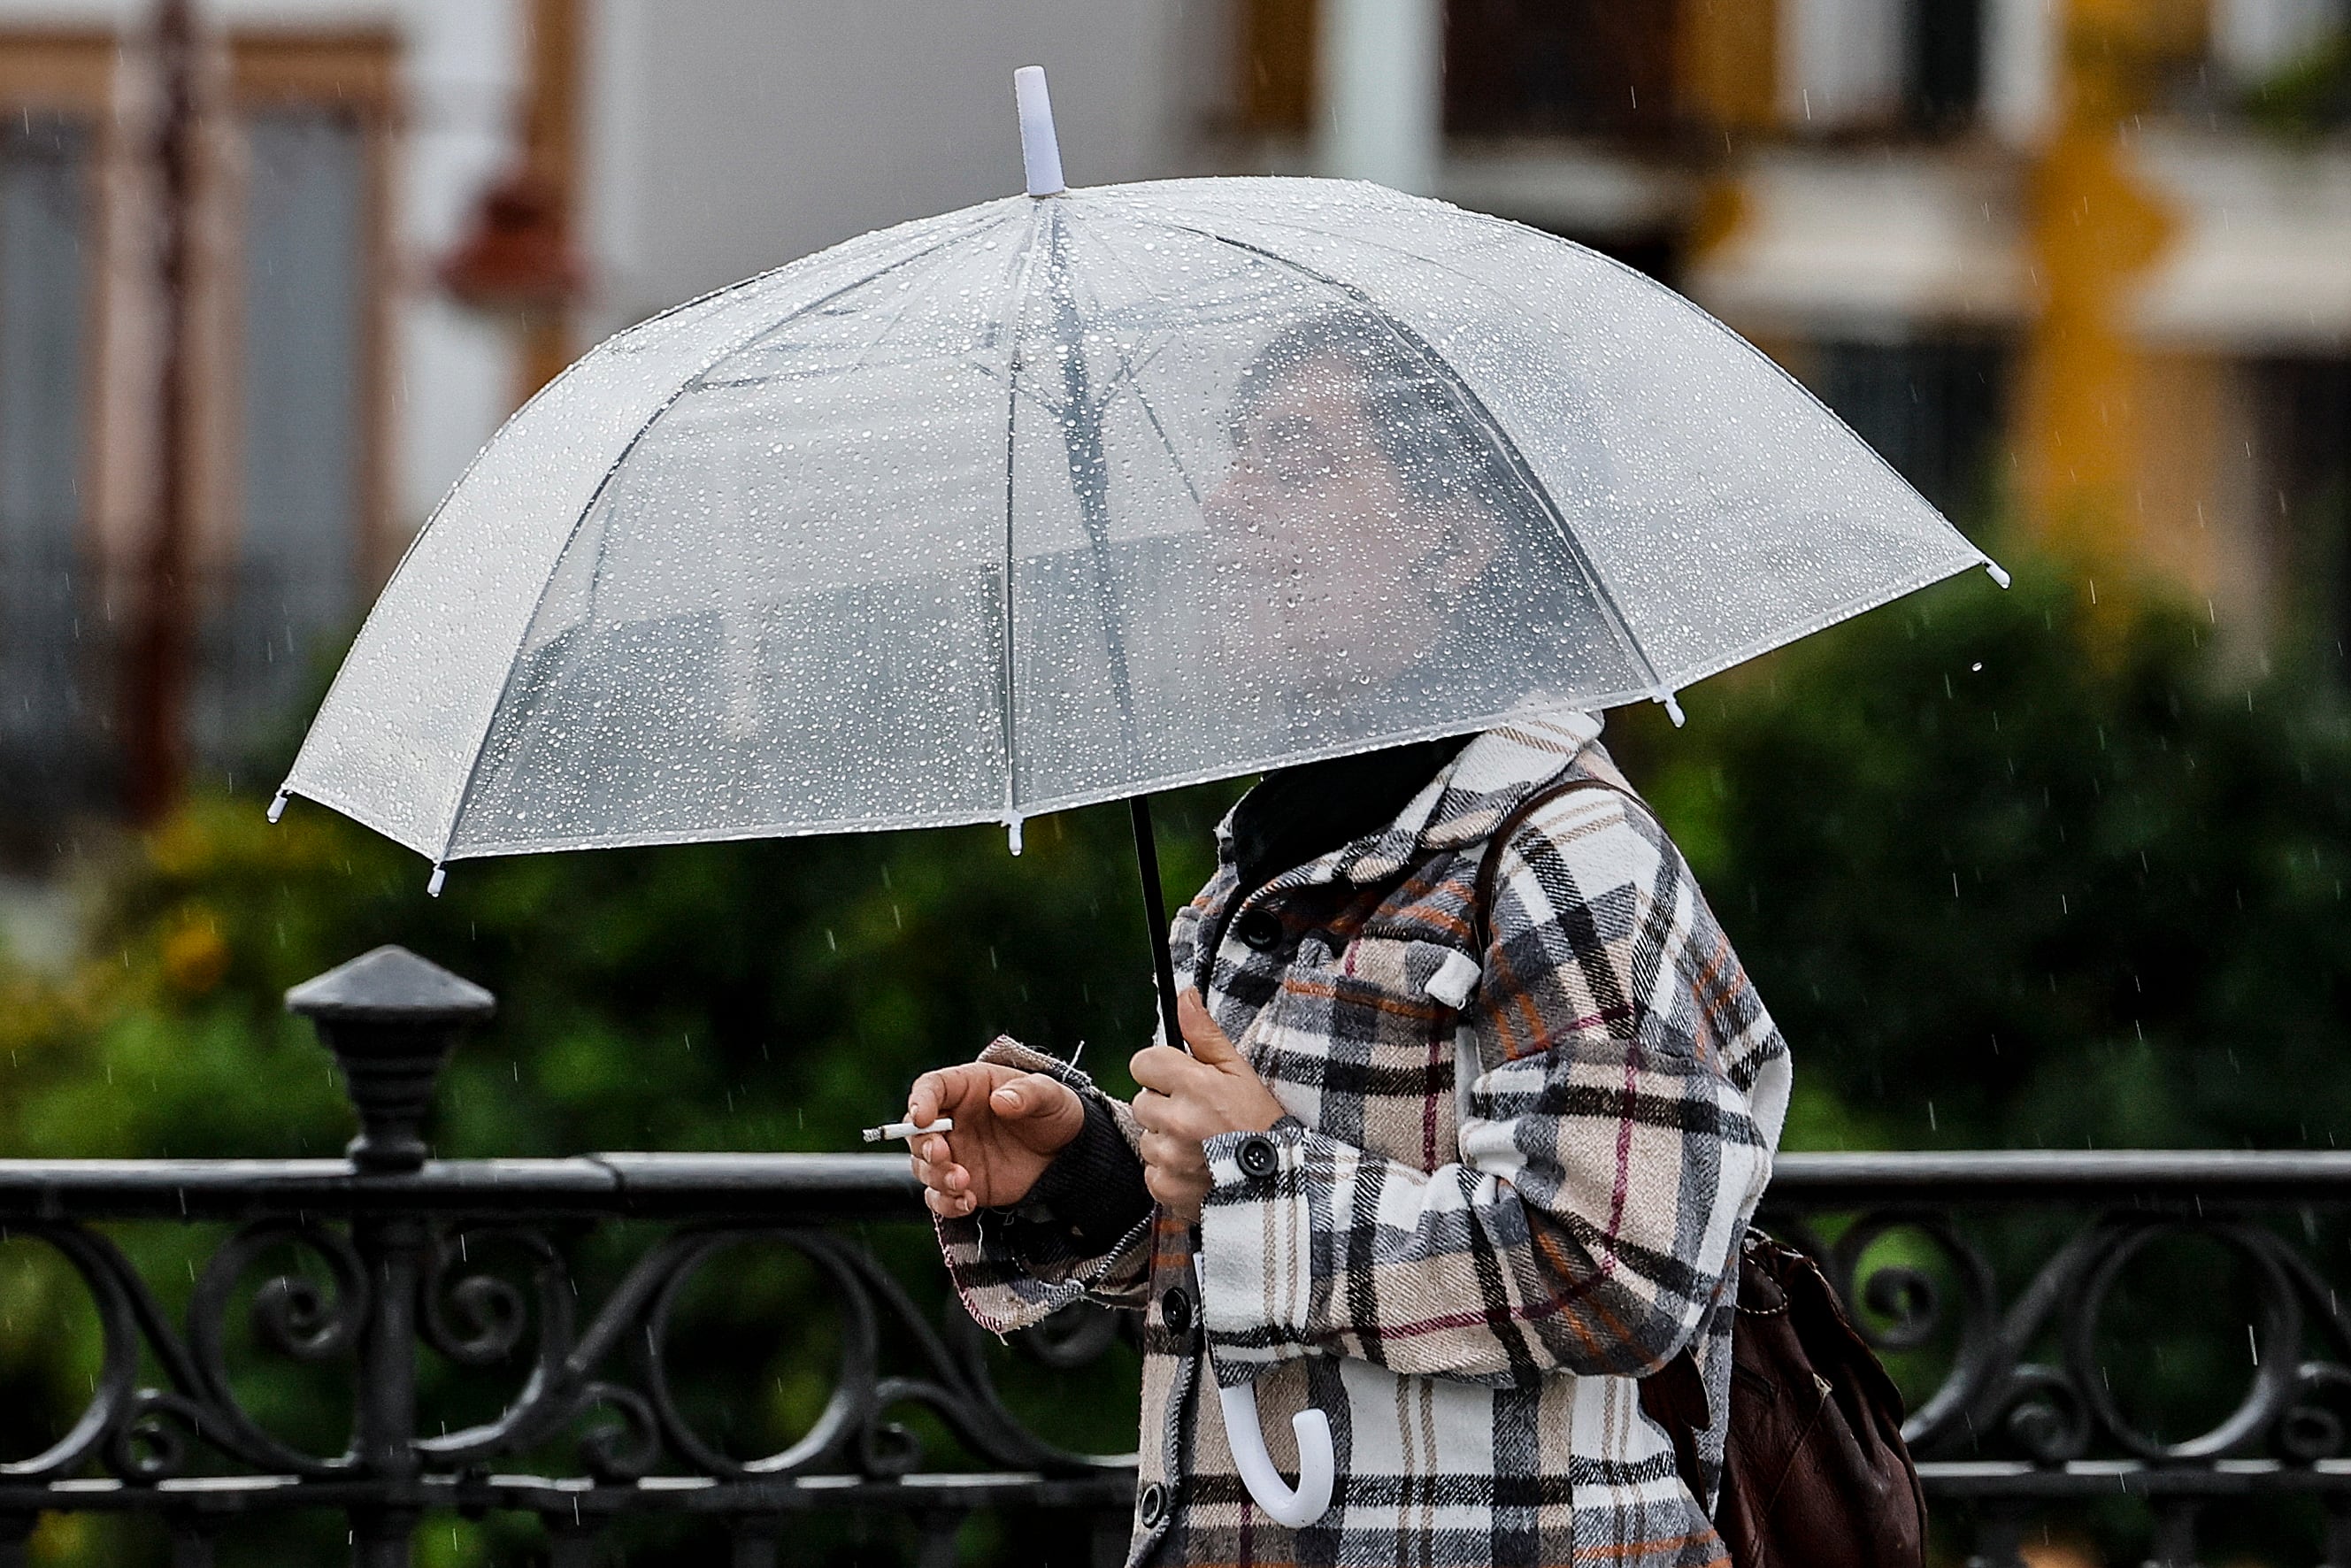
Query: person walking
point(1459, 1176)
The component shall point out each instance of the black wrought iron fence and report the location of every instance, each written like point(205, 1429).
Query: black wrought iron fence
point(1996, 1282)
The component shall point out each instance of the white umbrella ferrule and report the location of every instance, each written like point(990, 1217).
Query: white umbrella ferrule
point(278, 806)
point(1999, 572)
point(1040, 148)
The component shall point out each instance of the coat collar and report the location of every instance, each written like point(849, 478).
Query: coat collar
point(1461, 805)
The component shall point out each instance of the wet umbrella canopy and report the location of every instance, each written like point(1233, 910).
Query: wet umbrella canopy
point(1064, 499)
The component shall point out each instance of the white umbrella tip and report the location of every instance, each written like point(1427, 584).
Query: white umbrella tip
point(278, 806)
point(433, 883)
point(1040, 148)
point(1999, 572)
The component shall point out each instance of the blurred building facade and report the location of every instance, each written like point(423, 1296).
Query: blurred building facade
point(2083, 263)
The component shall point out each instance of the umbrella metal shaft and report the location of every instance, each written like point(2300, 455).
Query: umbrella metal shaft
point(1154, 911)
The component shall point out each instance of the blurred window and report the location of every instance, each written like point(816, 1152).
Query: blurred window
point(302, 339)
point(1943, 64)
point(2303, 413)
point(1558, 68)
point(1931, 407)
point(1880, 65)
point(46, 739)
point(55, 682)
point(1277, 66)
point(285, 373)
point(303, 436)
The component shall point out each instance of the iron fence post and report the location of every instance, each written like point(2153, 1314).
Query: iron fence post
point(391, 1018)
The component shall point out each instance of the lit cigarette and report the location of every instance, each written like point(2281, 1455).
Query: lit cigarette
point(908, 1130)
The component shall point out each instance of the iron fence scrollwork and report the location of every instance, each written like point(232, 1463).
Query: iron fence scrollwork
point(368, 1262)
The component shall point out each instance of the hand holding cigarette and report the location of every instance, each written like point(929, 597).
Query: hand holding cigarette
point(1008, 1124)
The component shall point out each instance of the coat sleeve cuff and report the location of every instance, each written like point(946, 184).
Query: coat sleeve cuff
point(1012, 1269)
point(1257, 1262)
point(1092, 1193)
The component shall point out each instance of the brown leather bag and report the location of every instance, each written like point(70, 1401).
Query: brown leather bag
point(1815, 1473)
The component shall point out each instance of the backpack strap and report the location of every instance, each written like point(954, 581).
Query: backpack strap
point(1489, 865)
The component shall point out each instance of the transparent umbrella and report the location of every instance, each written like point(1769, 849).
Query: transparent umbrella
point(1085, 494)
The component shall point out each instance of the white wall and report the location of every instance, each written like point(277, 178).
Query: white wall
point(2020, 69)
point(2253, 39)
point(456, 370)
point(1841, 61)
point(732, 136)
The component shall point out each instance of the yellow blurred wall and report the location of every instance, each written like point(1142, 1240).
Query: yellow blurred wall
point(2090, 406)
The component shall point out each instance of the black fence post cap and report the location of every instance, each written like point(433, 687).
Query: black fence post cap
point(391, 1018)
point(391, 985)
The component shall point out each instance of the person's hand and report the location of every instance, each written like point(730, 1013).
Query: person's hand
point(1186, 1098)
point(1009, 1125)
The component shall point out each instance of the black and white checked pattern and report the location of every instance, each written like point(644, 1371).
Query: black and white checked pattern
point(1509, 1184)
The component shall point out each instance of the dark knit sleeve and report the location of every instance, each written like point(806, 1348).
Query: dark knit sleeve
point(1093, 1193)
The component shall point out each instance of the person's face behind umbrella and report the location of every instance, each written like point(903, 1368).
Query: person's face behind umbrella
point(1337, 567)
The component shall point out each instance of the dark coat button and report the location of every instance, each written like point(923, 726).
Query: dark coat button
point(1176, 1311)
point(1152, 1506)
point(1257, 1156)
point(1260, 929)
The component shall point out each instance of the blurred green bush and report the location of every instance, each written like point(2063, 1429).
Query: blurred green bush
point(2013, 870)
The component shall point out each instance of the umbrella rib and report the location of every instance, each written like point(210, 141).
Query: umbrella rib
point(595, 498)
point(1129, 371)
point(1088, 469)
point(1007, 666)
point(1160, 430)
point(1475, 405)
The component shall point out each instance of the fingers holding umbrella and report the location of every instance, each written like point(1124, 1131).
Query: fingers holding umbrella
point(1163, 1069)
point(1208, 1041)
point(1175, 1171)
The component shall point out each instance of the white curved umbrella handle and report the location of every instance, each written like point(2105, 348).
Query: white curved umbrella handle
point(1317, 1465)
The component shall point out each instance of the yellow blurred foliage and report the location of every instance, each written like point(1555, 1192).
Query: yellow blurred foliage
point(194, 954)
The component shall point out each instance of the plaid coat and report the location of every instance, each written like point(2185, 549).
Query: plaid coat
point(1510, 1183)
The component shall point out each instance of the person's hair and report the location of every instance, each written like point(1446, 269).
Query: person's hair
point(1439, 447)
